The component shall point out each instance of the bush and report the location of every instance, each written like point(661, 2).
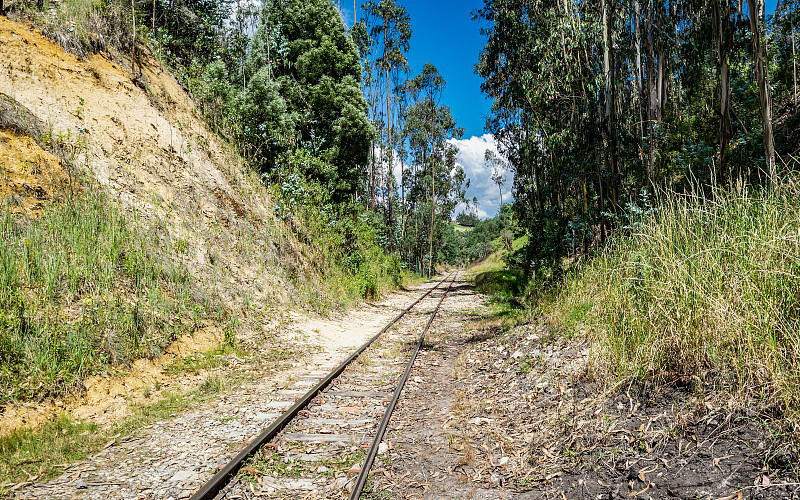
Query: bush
point(347, 258)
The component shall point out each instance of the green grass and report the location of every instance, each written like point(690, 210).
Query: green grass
point(520, 242)
point(82, 27)
point(705, 289)
point(501, 282)
point(25, 454)
point(81, 288)
point(344, 260)
point(497, 260)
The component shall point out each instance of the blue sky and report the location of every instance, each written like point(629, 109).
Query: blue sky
point(445, 36)
point(771, 4)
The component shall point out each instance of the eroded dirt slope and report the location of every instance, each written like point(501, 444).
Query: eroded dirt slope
point(141, 139)
point(68, 124)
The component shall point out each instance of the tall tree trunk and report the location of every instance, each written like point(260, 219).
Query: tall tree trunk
point(637, 40)
point(794, 63)
point(433, 214)
point(724, 42)
point(403, 213)
point(355, 13)
point(372, 178)
point(601, 198)
point(663, 81)
point(652, 93)
point(390, 173)
point(608, 61)
point(763, 89)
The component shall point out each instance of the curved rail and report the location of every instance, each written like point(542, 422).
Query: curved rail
point(373, 451)
point(209, 490)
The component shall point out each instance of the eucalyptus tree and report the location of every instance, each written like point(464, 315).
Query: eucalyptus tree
point(786, 22)
point(596, 101)
point(497, 167)
point(392, 32)
point(755, 8)
point(439, 184)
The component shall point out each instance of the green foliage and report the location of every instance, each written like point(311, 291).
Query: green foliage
point(188, 32)
point(503, 282)
point(485, 238)
point(436, 184)
point(467, 219)
point(294, 86)
point(303, 91)
point(588, 120)
point(703, 289)
point(81, 288)
point(342, 238)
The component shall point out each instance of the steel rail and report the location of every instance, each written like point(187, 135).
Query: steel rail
point(210, 489)
point(373, 451)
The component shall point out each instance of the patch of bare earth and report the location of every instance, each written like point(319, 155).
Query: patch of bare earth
point(29, 176)
point(514, 415)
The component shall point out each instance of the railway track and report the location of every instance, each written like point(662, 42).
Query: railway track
point(337, 425)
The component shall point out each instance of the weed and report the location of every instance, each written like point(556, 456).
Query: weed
point(212, 384)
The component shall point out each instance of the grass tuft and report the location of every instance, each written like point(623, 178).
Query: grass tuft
point(704, 290)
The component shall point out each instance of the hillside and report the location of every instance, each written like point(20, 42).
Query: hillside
point(91, 137)
point(143, 143)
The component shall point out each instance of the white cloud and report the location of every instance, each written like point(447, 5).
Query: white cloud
point(470, 157)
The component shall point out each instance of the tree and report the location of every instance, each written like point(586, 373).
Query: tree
point(304, 75)
point(762, 77)
point(595, 101)
point(439, 184)
point(467, 219)
point(190, 30)
point(498, 168)
point(393, 26)
point(724, 29)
